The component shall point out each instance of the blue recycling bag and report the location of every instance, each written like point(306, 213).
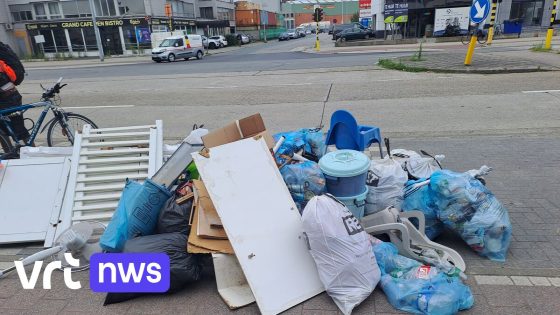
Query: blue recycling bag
point(304, 181)
point(419, 289)
point(310, 140)
point(420, 198)
point(136, 214)
point(470, 209)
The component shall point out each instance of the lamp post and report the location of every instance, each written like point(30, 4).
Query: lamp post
point(342, 11)
point(96, 30)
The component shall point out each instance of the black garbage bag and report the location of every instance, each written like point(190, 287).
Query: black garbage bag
point(184, 267)
point(174, 218)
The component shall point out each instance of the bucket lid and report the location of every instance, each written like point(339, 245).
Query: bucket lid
point(344, 163)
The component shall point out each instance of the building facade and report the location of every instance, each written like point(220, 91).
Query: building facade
point(298, 12)
point(253, 19)
point(66, 27)
point(422, 21)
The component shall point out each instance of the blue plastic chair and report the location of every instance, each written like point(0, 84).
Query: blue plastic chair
point(345, 133)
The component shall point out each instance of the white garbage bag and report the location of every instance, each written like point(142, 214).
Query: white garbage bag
point(341, 250)
point(416, 165)
point(385, 180)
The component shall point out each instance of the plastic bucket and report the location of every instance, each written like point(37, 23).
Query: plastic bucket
point(345, 172)
point(355, 204)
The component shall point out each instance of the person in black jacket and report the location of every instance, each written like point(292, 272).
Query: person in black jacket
point(11, 75)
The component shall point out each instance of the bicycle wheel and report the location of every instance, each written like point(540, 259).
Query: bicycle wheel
point(58, 136)
point(482, 39)
point(466, 39)
point(6, 146)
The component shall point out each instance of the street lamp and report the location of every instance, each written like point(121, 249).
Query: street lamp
point(342, 11)
point(96, 30)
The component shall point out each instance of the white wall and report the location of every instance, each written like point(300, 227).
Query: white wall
point(377, 10)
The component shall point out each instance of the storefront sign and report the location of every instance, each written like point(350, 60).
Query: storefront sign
point(80, 24)
point(451, 21)
point(106, 23)
point(365, 8)
point(396, 11)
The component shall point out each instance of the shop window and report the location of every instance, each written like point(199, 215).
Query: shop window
point(48, 45)
point(60, 40)
point(76, 39)
point(207, 13)
point(529, 12)
point(89, 36)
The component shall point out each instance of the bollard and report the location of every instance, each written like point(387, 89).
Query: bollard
point(470, 50)
point(490, 35)
point(548, 41)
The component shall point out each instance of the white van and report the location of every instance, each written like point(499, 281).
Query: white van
point(176, 47)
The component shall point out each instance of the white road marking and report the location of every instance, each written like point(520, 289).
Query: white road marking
point(99, 106)
point(249, 86)
point(543, 91)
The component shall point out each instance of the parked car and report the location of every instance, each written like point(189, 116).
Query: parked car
point(243, 39)
point(176, 47)
point(221, 40)
point(355, 33)
point(284, 36)
point(204, 41)
point(300, 32)
point(292, 33)
point(214, 43)
point(337, 28)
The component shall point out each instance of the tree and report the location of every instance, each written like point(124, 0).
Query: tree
point(355, 17)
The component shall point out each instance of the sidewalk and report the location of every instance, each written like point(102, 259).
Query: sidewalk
point(527, 283)
point(485, 62)
point(108, 62)
point(327, 46)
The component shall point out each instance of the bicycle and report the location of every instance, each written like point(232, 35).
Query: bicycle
point(481, 36)
point(65, 123)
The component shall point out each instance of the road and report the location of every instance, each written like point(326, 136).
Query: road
point(290, 88)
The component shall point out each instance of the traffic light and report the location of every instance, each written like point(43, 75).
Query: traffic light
point(318, 15)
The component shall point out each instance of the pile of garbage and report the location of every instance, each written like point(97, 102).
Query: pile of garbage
point(311, 206)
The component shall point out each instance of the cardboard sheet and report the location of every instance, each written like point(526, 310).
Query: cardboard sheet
point(241, 129)
point(262, 222)
point(203, 228)
point(204, 200)
point(198, 245)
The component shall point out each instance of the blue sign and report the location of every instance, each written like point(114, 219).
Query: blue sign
point(479, 11)
point(364, 22)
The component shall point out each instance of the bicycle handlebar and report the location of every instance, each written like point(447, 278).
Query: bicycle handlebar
point(49, 93)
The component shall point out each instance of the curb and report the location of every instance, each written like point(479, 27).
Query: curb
point(467, 70)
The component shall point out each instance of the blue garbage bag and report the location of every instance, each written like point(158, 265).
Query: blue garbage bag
point(419, 289)
point(468, 207)
point(418, 197)
point(304, 181)
point(311, 141)
point(136, 214)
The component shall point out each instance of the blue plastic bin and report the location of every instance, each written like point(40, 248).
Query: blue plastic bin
point(345, 172)
point(513, 26)
point(355, 204)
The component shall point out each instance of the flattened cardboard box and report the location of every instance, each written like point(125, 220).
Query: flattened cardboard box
point(198, 245)
point(205, 202)
point(241, 129)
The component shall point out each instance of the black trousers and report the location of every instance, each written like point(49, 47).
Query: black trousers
point(17, 124)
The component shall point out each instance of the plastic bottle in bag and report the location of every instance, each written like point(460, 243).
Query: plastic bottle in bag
point(420, 289)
